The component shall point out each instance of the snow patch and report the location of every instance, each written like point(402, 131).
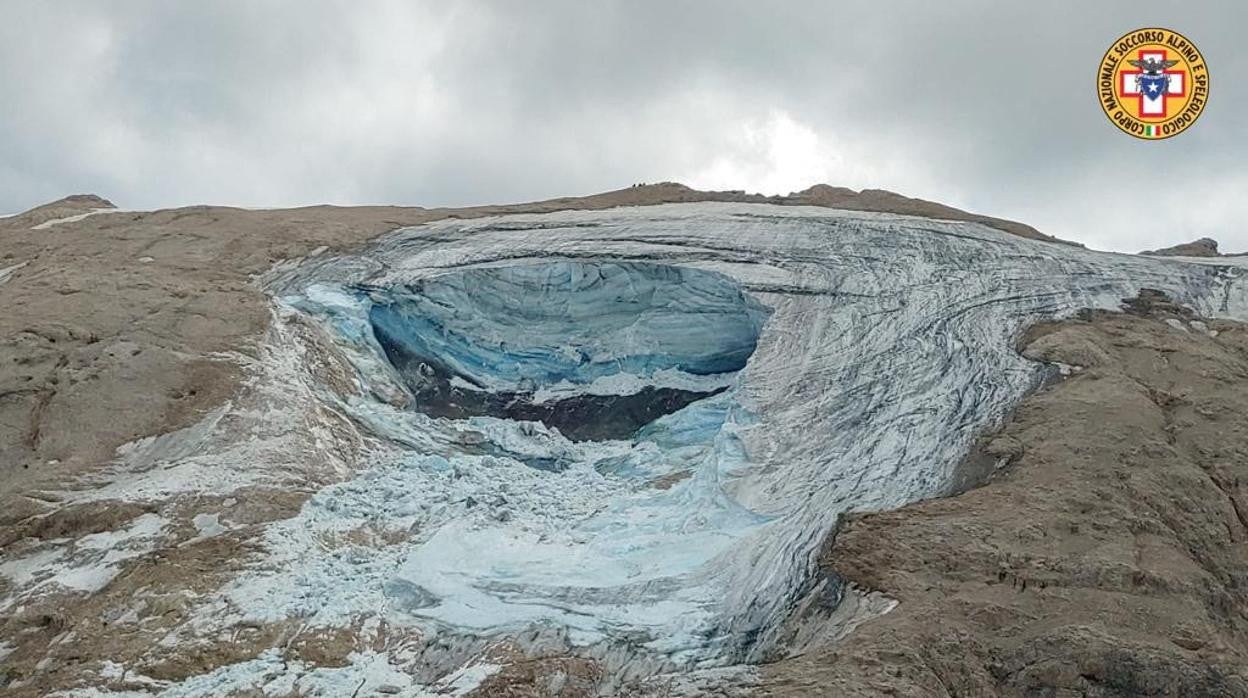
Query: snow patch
point(208, 525)
point(272, 674)
point(469, 678)
point(84, 565)
point(74, 219)
point(9, 271)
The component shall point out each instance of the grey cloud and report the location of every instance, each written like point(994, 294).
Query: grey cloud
point(986, 105)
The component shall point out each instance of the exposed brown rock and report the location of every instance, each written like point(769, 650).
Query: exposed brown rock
point(1204, 247)
point(65, 637)
point(887, 201)
point(543, 677)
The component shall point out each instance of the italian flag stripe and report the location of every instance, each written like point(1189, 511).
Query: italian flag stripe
point(1152, 131)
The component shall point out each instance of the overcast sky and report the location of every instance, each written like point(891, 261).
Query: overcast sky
point(988, 105)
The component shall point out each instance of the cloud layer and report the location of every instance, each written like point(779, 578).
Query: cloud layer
point(988, 106)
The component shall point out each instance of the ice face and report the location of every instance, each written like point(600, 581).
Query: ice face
point(503, 327)
point(591, 349)
point(836, 361)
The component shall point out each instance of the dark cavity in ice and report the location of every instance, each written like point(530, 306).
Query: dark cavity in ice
point(555, 342)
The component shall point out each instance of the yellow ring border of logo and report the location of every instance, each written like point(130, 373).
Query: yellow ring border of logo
point(1110, 117)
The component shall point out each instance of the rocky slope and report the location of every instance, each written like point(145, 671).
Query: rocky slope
point(1204, 247)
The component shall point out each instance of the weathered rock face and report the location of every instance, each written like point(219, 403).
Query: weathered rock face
point(1204, 247)
point(890, 202)
point(1107, 558)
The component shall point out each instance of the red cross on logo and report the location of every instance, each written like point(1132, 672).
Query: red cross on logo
point(1154, 108)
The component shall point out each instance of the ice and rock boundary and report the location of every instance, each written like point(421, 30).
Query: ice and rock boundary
point(780, 366)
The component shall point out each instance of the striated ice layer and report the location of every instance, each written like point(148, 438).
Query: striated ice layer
point(540, 324)
point(595, 350)
point(780, 366)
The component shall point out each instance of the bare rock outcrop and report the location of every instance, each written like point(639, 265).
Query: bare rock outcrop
point(1204, 247)
point(887, 201)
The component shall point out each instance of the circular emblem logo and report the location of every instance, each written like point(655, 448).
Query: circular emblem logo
point(1153, 83)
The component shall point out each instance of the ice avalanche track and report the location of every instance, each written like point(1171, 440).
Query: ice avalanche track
point(632, 429)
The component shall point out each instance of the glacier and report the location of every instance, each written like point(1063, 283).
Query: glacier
point(786, 365)
point(627, 433)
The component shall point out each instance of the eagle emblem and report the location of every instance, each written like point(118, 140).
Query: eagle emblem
point(1152, 66)
point(1153, 82)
